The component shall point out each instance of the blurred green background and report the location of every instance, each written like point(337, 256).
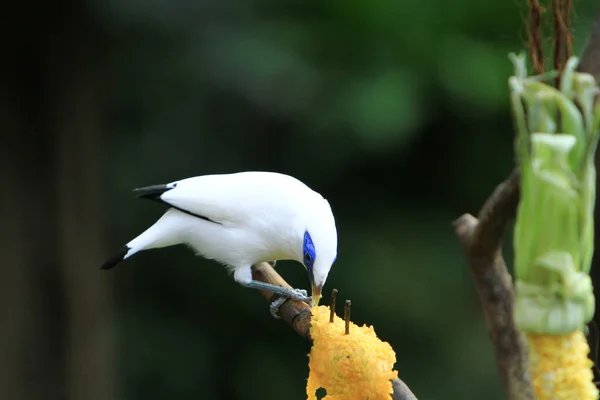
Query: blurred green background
point(396, 111)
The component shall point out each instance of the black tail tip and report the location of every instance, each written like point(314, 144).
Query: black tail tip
point(151, 192)
point(117, 258)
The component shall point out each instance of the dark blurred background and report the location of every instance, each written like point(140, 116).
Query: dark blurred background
point(396, 111)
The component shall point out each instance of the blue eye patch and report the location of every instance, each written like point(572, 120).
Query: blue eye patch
point(309, 251)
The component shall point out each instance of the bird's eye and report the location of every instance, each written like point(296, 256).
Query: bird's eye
point(308, 251)
point(307, 258)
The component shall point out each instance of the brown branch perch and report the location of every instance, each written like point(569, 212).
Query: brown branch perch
point(297, 315)
point(481, 240)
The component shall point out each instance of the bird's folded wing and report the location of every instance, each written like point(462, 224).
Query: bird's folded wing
point(221, 201)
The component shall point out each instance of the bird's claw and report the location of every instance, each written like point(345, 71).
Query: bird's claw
point(300, 295)
point(274, 307)
point(296, 294)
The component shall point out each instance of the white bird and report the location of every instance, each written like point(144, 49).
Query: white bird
point(242, 219)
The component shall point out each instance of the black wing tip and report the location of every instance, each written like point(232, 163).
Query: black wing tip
point(151, 192)
point(117, 258)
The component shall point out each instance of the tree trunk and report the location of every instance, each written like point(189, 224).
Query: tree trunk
point(55, 305)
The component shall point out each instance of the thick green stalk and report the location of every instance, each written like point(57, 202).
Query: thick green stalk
point(554, 230)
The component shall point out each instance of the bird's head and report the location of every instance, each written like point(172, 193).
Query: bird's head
point(319, 249)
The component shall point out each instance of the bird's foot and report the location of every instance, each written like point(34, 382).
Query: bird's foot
point(274, 307)
point(272, 263)
point(284, 294)
point(298, 294)
point(294, 294)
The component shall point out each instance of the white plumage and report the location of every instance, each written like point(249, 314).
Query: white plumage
point(242, 219)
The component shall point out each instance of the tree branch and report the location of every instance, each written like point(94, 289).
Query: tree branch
point(294, 313)
point(481, 241)
point(297, 315)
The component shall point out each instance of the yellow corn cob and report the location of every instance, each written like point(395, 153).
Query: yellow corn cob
point(356, 366)
point(560, 368)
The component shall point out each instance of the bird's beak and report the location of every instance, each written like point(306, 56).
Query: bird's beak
point(316, 294)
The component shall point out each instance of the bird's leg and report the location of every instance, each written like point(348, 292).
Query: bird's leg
point(294, 294)
point(243, 275)
point(272, 263)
